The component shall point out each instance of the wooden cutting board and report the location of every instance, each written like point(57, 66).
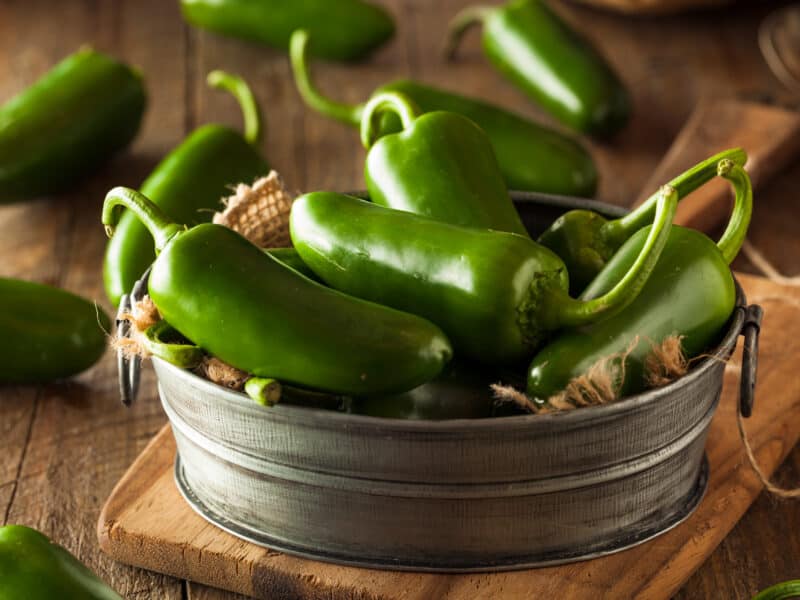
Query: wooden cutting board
point(146, 522)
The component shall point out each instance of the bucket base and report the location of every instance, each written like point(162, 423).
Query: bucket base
point(631, 537)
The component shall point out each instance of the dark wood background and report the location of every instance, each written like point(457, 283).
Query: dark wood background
point(64, 446)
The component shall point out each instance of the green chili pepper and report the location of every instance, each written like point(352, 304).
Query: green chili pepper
point(49, 333)
point(459, 392)
point(780, 591)
point(250, 311)
point(34, 568)
point(65, 125)
point(188, 185)
point(342, 29)
point(290, 258)
point(690, 293)
point(586, 241)
point(441, 165)
point(551, 63)
point(497, 295)
point(531, 157)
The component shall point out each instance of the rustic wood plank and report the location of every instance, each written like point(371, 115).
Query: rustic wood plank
point(81, 440)
point(668, 63)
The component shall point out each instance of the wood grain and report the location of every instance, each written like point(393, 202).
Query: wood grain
point(138, 525)
point(63, 447)
point(770, 134)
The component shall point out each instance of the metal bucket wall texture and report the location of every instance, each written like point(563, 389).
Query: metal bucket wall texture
point(456, 495)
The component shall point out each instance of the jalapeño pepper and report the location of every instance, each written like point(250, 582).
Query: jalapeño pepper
point(531, 157)
point(441, 165)
point(65, 125)
point(344, 29)
point(188, 185)
point(245, 307)
point(586, 241)
point(497, 295)
point(49, 333)
point(691, 294)
point(551, 63)
point(34, 568)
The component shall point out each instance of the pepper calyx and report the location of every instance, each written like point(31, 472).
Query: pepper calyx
point(535, 316)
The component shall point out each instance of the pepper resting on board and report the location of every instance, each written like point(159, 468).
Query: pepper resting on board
point(691, 293)
point(249, 310)
point(440, 165)
point(531, 157)
point(188, 185)
point(586, 241)
point(61, 128)
point(48, 332)
point(497, 295)
point(780, 591)
point(529, 44)
point(34, 568)
point(344, 29)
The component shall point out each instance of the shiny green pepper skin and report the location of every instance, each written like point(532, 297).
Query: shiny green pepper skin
point(497, 295)
point(558, 69)
point(780, 591)
point(251, 311)
point(68, 123)
point(691, 293)
point(343, 29)
point(34, 568)
point(441, 165)
point(586, 241)
point(49, 333)
point(531, 156)
point(188, 185)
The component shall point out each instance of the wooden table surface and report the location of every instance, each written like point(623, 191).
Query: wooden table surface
point(64, 446)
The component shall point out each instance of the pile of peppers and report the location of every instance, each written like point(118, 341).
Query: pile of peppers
point(377, 296)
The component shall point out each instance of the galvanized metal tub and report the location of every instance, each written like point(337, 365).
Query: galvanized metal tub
point(452, 495)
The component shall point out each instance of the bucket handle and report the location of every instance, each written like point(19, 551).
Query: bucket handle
point(129, 367)
point(751, 327)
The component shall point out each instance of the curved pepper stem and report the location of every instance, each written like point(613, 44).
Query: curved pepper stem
point(617, 231)
point(349, 114)
point(151, 216)
point(182, 355)
point(574, 313)
point(735, 233)
point(265, 391)
point(460, 24)
point(247, 102)
point(395, 102)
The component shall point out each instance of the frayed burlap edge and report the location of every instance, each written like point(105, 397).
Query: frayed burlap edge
point(259, 212)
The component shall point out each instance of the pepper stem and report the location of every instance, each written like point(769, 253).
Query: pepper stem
point(616, 232)
point(349, 114)
point(156, 221)
point(265, 391)
point(244, 95)
point(574, 313)
point(460, 24)
point(395, 102)
point(182, 355)
point(736, 231)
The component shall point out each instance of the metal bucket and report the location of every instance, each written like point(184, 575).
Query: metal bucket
point(452, 495)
